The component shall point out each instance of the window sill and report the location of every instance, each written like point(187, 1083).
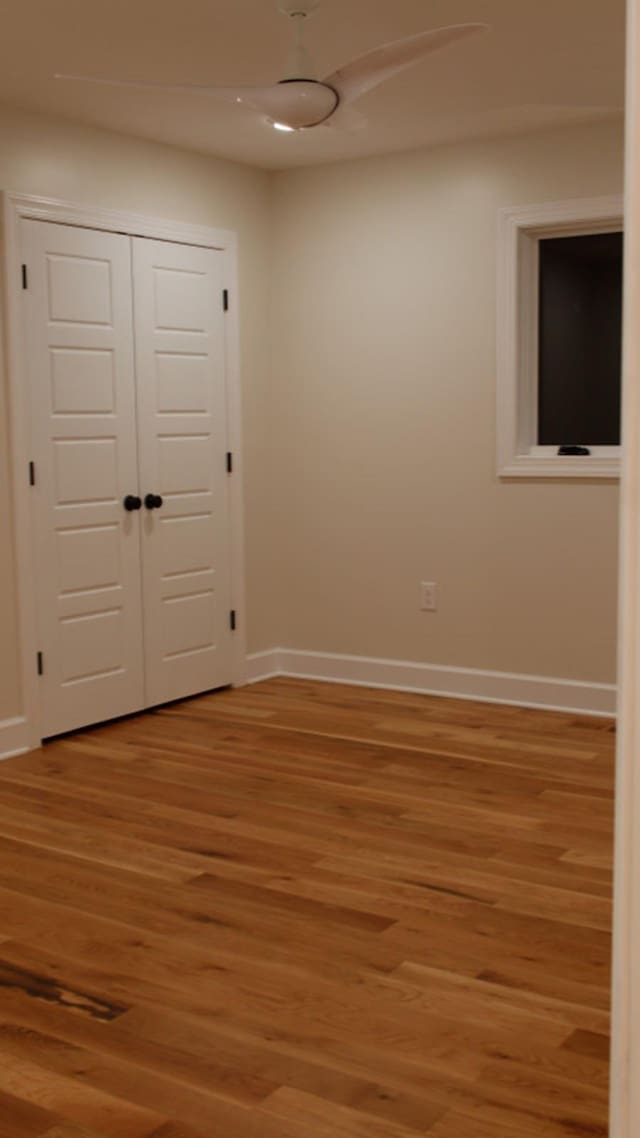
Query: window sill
point(556, 466)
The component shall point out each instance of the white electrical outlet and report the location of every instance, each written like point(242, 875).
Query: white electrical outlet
point(428, 596)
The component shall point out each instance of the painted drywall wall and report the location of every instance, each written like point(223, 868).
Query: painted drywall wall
point(54, 158)
point(370, 447)
point(384, 371)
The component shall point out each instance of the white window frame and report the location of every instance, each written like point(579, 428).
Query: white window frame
point(520, 230)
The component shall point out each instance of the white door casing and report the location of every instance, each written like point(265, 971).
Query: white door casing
point(625, 1027)
point(182, 431)
point(79, 355)
point(27, 725)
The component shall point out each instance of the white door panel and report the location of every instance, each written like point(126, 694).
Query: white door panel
point(80, 289)
point(82, 381)
point(79, 348)
point(182, 451)
point(125, 350)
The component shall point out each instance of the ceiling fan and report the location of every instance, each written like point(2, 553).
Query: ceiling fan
point(300, 101)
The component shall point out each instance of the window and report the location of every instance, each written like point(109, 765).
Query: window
point(559, 339)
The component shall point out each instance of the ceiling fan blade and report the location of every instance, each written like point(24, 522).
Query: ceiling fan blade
point(267, 99)
point(366, 72)
point(300, 103)
point(346, 119)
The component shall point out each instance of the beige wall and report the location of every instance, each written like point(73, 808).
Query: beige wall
point(384, 372)
point(54, 158)
point(370, 448)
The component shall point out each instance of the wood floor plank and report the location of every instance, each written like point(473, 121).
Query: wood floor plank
point(316, 1118)
point(500, 1122)
point(69, 1130)
point(308, 909)
point(44, 1087)
point(26, 1119)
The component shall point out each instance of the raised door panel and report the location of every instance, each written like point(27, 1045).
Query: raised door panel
point(79, 350)
point(179, 333)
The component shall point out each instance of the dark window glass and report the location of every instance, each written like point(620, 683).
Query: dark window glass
point(580, 340)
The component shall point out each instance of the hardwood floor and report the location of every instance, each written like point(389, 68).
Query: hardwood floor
point(302, 910)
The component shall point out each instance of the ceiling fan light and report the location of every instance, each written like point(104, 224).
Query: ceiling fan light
point(283, 127)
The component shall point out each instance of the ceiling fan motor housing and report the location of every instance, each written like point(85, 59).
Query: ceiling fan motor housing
point(305, 103)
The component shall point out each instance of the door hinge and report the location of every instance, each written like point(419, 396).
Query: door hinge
point(32, 473)
point(229, 462)
point(225, 300)
point(232, 620)
point(25, 283)
point(39, 663)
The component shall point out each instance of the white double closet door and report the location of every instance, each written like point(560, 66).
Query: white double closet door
point(124, 341)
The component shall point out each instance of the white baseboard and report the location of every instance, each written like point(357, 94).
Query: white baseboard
point(14, 737)
point(434, 679)
point(263, 666)
point(400, 675)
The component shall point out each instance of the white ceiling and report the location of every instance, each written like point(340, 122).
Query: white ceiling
point(542, 62)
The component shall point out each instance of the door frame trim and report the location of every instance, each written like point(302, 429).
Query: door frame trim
point(15, 208)
point(625, 1027)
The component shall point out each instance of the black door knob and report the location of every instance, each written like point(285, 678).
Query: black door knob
point(132, 502)
point(153, 501)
